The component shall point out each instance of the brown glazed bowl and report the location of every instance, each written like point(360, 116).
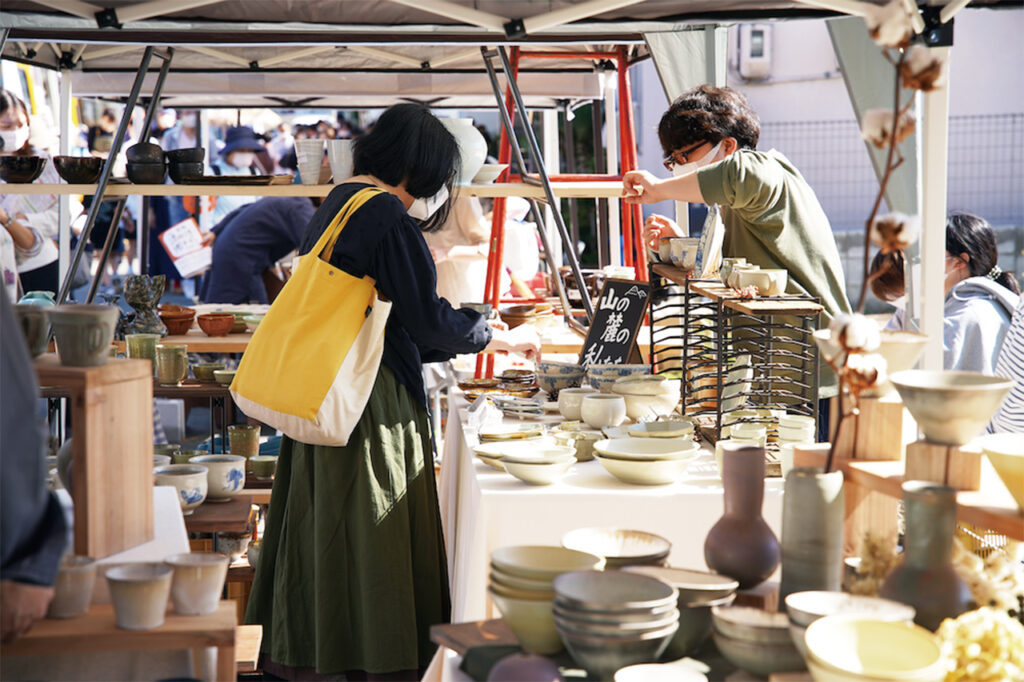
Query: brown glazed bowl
point(78, 170)
point(216, 324)
point(146, 173)
point(174, 308)
point(177, 323)
point(186, 155)
point(21, 169)
point(145, 152)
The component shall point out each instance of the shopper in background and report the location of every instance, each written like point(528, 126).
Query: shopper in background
point(100, 137)
point(237, 157)
point(352, 573)
point(1010, 365)
point(459, 250)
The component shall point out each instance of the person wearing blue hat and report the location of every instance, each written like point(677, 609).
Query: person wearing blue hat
point(237, 157)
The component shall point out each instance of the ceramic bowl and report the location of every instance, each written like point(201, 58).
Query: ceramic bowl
point(751, 624)
point(570, 400)
point(177, 323)
point(145, 152)
point(647, 449)
point(619, 546)
point(240, 325)
point(804, 608)
point(203, 371)
point(179, 172)
point(263, 466)
point(226, 475)
point(567, 620)
point(884, 650)
point(198, 582)
point(189, 481)
point(599, 410)
point(234, 545)
point(646, 384)
point(541, 562)
point(139, 594)
point(695, 587)
point(950, 407)
point(612, 591)
point(531, 621)
point(602, 376)
point(539, 473)
point(901, 350)
point(602, 656)
point(760, 658)
point(639, 472)
point(252, 554)
point(515, 593)
point(515, 582)
point(216, 324)
point(161, 460)
point(78, 170)
point(1006, 453)
point(694, 626)
point(683, 251)
point(482, 308)
point(640, 407)
point(582, 442)
point(668, 429)
point(72, 590)
point(557, 376)
point(488, 173)
point(21, 169)
point(186, 155)
point(673, 671)
point(224, 376)
point(665, 251)
point(146, 173)
point(184, 456)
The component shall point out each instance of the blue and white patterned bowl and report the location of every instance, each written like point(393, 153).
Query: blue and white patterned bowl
point(603, 376)
point(189, 481)
point(555, 376)
point(226, 477)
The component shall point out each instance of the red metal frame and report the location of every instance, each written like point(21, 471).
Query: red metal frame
point(634, 253)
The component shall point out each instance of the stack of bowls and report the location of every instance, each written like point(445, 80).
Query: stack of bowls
point(648, 396)
point(521, 588)
point(851, 648)
point(646, 461)
point(803, 608)
point(603, 376)
point(185, 163)
point(612, 619)
point(555, 376)
point(541, 466)
point(620, 547)
point(796, 428)
point(754, 640)
point(178, 319)
point(699, 592)
point(572, 434)
point(672, 427)
point(515, 315)
point(146, 164)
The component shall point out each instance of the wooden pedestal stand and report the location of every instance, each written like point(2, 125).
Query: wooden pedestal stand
point(881, 432)
point(958, 466)
point(112, 464)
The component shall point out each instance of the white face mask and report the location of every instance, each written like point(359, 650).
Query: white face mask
point(13, 140)
point(687, 168)
point(242, 159)
point(190, 120)
point(422, 209)
point(899, 303)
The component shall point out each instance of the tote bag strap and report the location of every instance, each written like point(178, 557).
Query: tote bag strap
point(325, 244)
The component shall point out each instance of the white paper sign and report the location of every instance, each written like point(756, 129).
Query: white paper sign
point(184, 244)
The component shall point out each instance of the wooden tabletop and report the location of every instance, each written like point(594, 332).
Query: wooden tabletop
point(220, 517)
point(461, 637)
point(191, 388)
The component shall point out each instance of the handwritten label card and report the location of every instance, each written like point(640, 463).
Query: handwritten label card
point(617, 319)
point(184, 244)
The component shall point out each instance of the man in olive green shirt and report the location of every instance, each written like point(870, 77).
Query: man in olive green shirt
point(771, 215)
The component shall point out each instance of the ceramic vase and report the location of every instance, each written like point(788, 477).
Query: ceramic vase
point(812, 531)
point(472, 147)
point(741, 545)
point(35, 325)
point(926, 579)
point(143, 294)
point(84, 333)
point(41, 299)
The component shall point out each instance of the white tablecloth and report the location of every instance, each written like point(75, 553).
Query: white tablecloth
point(483, 509)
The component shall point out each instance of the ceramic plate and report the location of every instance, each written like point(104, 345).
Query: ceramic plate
point(647, 448)
point(737, 384)
point(495, 432)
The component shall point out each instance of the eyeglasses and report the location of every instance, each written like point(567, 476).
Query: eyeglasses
point(673, 159)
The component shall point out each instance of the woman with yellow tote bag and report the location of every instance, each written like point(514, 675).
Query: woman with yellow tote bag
point(353, 573)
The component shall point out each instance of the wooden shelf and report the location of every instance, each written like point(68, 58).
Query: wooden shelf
point(576, 190)
point(220, 517)
point(97, 632)
point(256, 495)
point(771, 305)
point(191, 388)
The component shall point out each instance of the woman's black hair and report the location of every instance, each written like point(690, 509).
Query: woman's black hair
point(410, 144)
point(708, 114)
point(8, 100)
point(972, 235)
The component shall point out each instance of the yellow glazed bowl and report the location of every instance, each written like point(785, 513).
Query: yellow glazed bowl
point(1006, 452)
point(848, 648)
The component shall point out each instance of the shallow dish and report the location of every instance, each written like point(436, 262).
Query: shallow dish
point(651, 384)
point(641, 472)
point(542, 562)
point(496, 432)
point(619, 546)
point(647, 449)
point(672, 428)
point(885, 650)
point(693, 586)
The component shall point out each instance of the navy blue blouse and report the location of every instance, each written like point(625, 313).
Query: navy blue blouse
point(382, 241)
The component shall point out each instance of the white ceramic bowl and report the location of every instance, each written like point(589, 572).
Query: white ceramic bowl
point(683, 251)
point(599, 410)
point(226, 475)
point(647, 449)
point(602, 376)
point(531, 621)
point(515, 582)
point(669, 428)
point(647, 406)
point(189, 480)
point(488, 173)
point(804, 608)
point(542, 562)
point(884, 650)
point(570, 400)
point(901, 350)
point(557, 376)
point(950, 407)
point(763, 659)
point(646, 384)
point(639, 472)
point(139, 594)
point(619, 546)
point(538, 473)
point(198, 582)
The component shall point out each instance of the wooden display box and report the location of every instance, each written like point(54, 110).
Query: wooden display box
point(881, 432)
point(956, 466)
point(112, 465)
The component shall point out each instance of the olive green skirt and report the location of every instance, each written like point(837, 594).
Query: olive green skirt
point(352, 573)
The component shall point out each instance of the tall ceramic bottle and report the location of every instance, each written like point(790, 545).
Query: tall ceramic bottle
point(926, 579)
point(812, 531)
point(741, 545)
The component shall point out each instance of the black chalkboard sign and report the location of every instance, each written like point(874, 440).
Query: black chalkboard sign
point(617, 319)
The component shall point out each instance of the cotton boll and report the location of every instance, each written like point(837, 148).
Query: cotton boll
point(923, 69)
point(855, 333)
point(876, 127)
point(895, 231)
point(890, 25)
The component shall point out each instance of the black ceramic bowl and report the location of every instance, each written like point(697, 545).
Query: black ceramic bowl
point(21, 169)
point(78, 170)
point(180, 171)
point(187, 155)
point(144, 152)
point(147, 173)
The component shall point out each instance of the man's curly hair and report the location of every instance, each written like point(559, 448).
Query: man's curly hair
point(710, 114)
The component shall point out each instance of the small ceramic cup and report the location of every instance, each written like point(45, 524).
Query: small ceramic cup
point(142, 346)
point(198, 581)
point(263, 466)
point(185, 456)
point(73, 587)
point(570, 400)
point(684, 252)
point(161, 460)
point(232, 544)
point(139, 593)
point(171, 363)
point(166, 448)
point(726, 268)
point(599, 410)
point(244, 440)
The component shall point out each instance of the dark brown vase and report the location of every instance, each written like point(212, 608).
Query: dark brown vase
point(926, 579)
point(741, 545)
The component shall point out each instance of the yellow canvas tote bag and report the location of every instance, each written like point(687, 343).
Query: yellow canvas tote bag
point(312, 361)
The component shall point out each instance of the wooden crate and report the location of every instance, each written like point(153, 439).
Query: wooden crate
point(881, 432)
point(112, 454)
point(956, 466)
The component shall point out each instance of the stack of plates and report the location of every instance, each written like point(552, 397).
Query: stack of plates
point(610, 619)
point(521, 587)
point(519, 408)
point(756, 641)
point(646, 461)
